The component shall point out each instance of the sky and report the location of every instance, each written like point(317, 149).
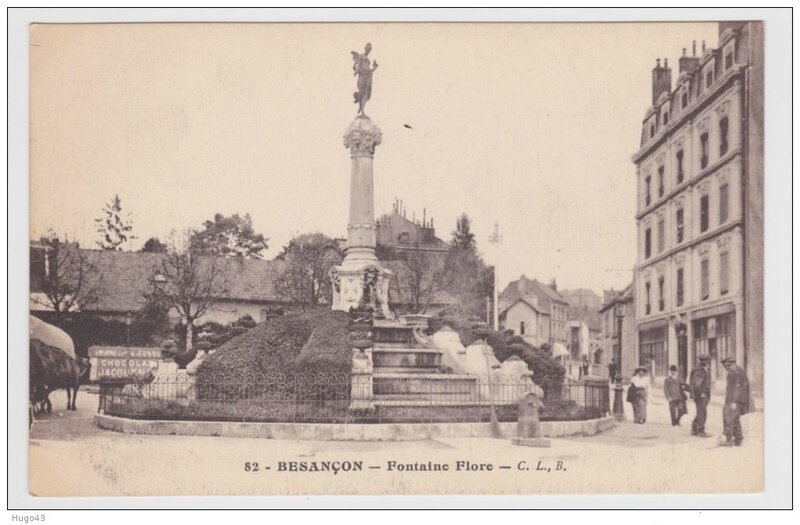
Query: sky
point(531, 126)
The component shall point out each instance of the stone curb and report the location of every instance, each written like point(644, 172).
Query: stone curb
point(341, 431)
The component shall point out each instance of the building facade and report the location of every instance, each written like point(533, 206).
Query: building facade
point(699, 272)
point(526, 319)
point(547, 300)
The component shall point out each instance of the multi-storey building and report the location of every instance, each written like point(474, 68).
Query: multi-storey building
point(546, 310)
point(699, 273)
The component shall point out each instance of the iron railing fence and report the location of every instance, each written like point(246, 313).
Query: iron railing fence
point(339, 398)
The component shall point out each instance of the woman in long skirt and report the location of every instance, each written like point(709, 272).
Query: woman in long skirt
point(642, 384)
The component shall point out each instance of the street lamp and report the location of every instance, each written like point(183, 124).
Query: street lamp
point(619, 408)
point(128, 320)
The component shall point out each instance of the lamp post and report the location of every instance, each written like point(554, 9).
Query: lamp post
point(619, 408)
point(128, 329)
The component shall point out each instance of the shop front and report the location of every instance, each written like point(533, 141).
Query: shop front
point(714, 335)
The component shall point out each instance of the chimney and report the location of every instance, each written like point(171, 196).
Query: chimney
point(424, 217)
point(431, 222)
point(553, 284)
point(694, 48)
point(704, 46)
point(662, 80)
point(688, 64)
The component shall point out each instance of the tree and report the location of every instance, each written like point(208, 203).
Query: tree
point(229, 237)
point(70, 281)
point(305, 279)
point(463, 238)
point(114, 229)
point(424, 275)
point(189, 283)
point(153, 245)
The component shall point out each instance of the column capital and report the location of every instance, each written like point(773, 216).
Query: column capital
point(362, 136)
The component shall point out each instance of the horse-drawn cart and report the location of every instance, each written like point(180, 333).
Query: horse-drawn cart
point(53, 365)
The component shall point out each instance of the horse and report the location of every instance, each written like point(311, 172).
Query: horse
point(50, 370)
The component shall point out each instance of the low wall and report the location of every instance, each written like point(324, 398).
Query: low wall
point(342, 431)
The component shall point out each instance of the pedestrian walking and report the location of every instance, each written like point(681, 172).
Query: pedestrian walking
point(674, 392)
point(585, 366)
point(700, 385)
point(612, 370)
point(638, 393)
point(737, 402)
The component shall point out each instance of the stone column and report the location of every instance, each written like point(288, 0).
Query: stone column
point(361, 138)
point(360, 281)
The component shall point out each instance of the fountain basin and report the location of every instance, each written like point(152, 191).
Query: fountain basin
point(396, 358)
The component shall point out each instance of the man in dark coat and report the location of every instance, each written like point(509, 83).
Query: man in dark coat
point(700, 388)
point(673, 392)
point(737, 402)
point(612, 370)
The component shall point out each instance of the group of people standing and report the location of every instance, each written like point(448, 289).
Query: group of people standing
point(676, 391)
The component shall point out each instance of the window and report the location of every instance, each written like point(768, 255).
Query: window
point(661, 294)
point(723, 136)
point(728, 60)
point(652, 130)
point(709, 77)
point(703, 213)
point(714, 336)
point(723, 204)
point(665, 118)
point(724, 273)
point(679, 162)
point(647, 243)
point(703, 150)
point(679, 287)
point(684, 99)
point(660, 235)
point(679, 225)
point(704, 279)
point(522, 328)
point(647, 191)
point(647, 298)
point(653, 350)
point(661, 181)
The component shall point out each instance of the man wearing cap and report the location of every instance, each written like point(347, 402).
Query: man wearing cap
point(673, 391)
point(700, 388)
point(737, 402)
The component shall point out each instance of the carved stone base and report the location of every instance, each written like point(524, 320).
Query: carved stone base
point(361, 283)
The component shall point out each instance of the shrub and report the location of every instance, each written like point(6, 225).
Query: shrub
point(261, 360)
point(328, 349)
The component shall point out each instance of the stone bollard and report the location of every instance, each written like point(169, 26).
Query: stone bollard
point(361, 398)
point(529, 432)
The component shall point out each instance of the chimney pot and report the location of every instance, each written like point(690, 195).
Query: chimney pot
point(658, 62)
point(704, 46)
point(694, 48)
point(665, 63)
point(684, 51)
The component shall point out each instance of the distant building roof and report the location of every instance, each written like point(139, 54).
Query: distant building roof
point(625, 295)
point(504, 306)
point(524, 287)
